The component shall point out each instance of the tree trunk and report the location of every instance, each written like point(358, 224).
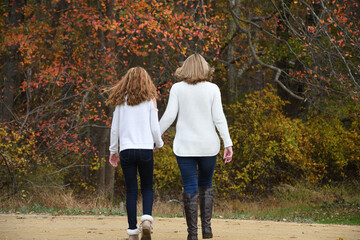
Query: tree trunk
point(294, 108)
point(10, 66)
point(232, 71)
point(106, 172)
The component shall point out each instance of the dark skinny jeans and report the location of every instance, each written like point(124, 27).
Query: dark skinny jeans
point(196, 172)
point(132, 161)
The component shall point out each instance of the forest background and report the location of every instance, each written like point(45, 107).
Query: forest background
point(288, 71)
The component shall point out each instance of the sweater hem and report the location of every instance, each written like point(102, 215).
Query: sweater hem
point(137, 146)
point(196, 154)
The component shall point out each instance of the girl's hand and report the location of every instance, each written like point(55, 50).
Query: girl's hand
point(228, 153)
point(155, 148)
point(114, 159)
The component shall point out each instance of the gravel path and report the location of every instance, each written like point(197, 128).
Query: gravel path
point(39, 227)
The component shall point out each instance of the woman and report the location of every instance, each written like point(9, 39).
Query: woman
point(135, 124)
point(196, 102)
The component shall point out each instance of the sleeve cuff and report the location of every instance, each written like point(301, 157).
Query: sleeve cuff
point(228, 143)
point(160, 144)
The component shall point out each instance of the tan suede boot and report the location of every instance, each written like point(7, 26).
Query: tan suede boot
point(133, 234)
point(146, 227)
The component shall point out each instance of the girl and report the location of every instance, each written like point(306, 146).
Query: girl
point(135, 125)
point(196, 102)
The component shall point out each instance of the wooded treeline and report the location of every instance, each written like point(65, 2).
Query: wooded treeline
point(58, 55)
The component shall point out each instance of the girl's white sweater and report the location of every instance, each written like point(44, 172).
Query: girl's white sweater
point(135, 127)
point(198, 109)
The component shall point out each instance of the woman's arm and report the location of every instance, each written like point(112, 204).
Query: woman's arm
point(220, 120)
point(170, 113)
point(222, 126)
point(154, 124)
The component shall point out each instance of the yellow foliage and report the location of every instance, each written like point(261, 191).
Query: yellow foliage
point(167, 177)
point(271, 149)
point(16, 152)
point(333, 148)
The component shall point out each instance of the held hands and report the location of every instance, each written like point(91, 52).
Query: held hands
point(114, 159)
point(155, 148)
point(228, 153)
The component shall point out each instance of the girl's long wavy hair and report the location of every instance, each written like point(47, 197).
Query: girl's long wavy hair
point(134, 88)
point(194, 69)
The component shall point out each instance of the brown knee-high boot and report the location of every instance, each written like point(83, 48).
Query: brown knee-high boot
point(191, 213)
point(206, 206)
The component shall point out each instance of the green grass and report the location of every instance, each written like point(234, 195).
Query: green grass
point(334, 213)
point(335, 204)
point(341, 213)
point(36, 208)
point(346, 213)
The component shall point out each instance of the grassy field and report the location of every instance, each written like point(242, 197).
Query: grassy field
point(330, 205)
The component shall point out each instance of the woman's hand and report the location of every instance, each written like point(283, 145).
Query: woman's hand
point(114, 159)
point(228, 153)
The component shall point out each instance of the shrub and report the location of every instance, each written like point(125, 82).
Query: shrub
point(334, 148)
point(272, 149)
point(167, 177)
point(16, 148)
point(267, 146)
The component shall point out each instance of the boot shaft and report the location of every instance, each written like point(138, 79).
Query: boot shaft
point(191, 214)
point(206, 207)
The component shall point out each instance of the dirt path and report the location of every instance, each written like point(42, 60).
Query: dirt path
point(19, 227)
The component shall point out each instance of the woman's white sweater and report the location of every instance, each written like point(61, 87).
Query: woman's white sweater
point(198, 109)
point(135, 127)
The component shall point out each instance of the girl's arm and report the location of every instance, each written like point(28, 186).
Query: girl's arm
point(114, 133)
point(154, 123)
point(170, 113)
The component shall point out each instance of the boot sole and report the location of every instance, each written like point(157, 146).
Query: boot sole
point(207, 235)
point(146, 234)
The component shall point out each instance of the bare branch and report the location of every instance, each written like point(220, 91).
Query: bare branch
point(257, 59)
point(47, 186)
point(65, 168)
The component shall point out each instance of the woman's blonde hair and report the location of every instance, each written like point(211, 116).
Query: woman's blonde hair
point(194, 69)
point(134, 88)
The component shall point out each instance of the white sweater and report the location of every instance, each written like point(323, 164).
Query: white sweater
point(198, 109)
point(136, 127)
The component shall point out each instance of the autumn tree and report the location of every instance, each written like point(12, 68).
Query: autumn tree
point(308, 48)
point(59, 55)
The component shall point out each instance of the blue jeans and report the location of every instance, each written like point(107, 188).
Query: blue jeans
point(196, 172)
point(131, 161)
